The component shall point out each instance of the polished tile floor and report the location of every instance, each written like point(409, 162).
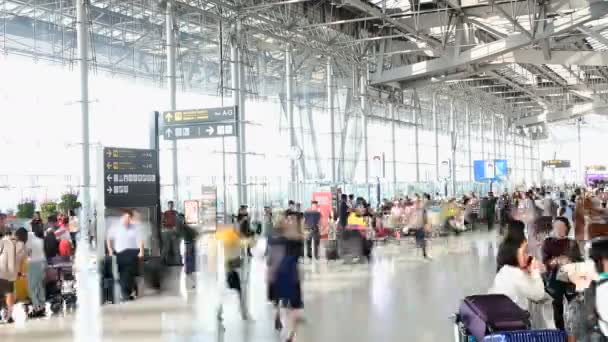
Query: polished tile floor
point(399, 297)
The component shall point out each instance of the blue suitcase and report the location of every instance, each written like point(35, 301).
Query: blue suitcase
point(528, 336)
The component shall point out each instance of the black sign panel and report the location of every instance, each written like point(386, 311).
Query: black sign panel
point(130, 177)
point(556, 163)
point(199, 116)
point(211, 130)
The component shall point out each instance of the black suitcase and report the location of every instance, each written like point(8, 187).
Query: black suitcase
point(331, 250)
point(152, 272)
point(107, 281)
point(107, 290)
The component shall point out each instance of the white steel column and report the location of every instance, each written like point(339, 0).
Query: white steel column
point(453, 144)
point(417, 142)
point(364, 110)
point(467, 116)
point(172, 82)
point(83, 55)
point(514, 140)
point(504, 137)
point(391, 109)
point(532, 173)
point(579, 141)
point(88, 315)
point(242, 137)
point(236, 99)
point(493, 128)
point(332, 124)
point(292, 132)
point(436, 129)
point(482, 135)
point(523, 157)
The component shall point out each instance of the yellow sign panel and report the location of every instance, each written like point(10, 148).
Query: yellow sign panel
point(194, 115)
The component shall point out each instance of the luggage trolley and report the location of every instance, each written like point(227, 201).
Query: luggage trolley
point(494, 318)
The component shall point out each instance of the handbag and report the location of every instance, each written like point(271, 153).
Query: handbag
point(541, 314)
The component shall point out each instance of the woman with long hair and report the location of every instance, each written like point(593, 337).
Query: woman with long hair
point(518, 274)
point(283, 275)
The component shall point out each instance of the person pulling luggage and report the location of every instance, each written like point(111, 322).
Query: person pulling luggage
point(188, 235)
point(312, 219)
point(124, 241)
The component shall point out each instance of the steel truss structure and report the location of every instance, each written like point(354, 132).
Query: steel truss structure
point(521, 62)
point(537, 60)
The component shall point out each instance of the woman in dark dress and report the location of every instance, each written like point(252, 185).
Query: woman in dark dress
point(284, 278)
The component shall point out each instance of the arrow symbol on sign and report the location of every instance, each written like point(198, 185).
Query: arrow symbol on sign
point(108, 165)
point(109, 190)
point(169, 132)
point(109, 153)
point(168, 117)
point(210, 130)
point(109, 178)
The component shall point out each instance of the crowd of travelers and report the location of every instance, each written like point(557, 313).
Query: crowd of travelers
point(557, 275)
point(545, 265)
point(27, 254)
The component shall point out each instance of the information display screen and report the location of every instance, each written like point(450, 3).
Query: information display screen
point(130, 177)
point(490, 170)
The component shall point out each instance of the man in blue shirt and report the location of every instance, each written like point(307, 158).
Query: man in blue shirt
point(312, 220)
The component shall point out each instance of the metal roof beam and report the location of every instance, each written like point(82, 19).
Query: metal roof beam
point(523, 89)
point(536, 57)
point(406, 28)
point(491, 50)
point(426, 21)
point(556, 116)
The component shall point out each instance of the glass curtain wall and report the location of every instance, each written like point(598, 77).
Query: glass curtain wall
point(41, 135)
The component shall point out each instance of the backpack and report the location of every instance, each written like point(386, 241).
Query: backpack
point(592, 316)
point(6, 266)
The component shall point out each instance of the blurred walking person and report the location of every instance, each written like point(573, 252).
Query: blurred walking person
point(12, 253)
point(231, 242)
point(36, 270)
point(74, 227)
point(283, 274)
point(420, 226)
point(124, 241)
point(312, 219)
point(170, 241)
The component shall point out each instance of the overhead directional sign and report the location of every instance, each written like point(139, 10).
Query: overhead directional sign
point(556, 163)
point(199, 116)
point(210, 130)
point(130, 177)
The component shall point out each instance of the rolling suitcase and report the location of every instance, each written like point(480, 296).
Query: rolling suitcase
point(109, 280)
point(331, 250)
point(21, 288)
point(482, 315)
point(352, 246)
point(528, 336)
point(152, 271)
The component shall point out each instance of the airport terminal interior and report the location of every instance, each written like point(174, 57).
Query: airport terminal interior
point(303, 170)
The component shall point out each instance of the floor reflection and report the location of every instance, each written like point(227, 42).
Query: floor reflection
point(399, 297)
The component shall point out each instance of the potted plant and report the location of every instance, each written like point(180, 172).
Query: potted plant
point(25, 209)
point(47, 209)
point(69, 201)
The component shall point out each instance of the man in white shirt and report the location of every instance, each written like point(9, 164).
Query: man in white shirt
point(126, 242)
